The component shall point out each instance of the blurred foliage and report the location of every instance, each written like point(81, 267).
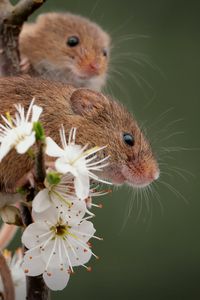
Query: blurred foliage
point(151, 247)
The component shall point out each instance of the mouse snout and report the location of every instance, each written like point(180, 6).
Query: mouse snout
point(152, 174)
point(93, 68)
point(142, 173)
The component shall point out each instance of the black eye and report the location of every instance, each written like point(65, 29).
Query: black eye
point(129, 139)
point(73, 41)
point(105, 52)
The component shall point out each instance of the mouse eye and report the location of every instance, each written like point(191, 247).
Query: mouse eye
point(105, 52)
point(73, 41)
point(129, 139)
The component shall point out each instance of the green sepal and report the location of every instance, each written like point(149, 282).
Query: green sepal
point(39, 131)
point(53, 178)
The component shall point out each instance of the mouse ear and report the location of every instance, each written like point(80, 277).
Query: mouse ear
point(87, 102)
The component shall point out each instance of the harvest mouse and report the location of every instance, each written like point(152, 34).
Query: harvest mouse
point(99, 121)
point(66, 48)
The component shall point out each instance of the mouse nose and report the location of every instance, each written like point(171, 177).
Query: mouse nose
point(93, 68)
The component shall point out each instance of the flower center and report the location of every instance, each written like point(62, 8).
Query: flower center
point(60, 230)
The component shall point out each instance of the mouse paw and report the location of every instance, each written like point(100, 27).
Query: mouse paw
point(27, 179)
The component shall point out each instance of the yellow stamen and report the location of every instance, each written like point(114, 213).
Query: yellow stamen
point(7, 254)
point(61, 198)
point(8, 116)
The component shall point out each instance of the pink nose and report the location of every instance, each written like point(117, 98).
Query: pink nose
point(93, 68)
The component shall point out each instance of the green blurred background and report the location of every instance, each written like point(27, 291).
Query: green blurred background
point(151, 248)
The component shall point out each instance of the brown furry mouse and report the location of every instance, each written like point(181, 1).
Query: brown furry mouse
point(66, 48)
point(99, 121)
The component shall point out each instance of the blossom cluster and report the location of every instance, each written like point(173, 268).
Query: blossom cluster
point(58, 239)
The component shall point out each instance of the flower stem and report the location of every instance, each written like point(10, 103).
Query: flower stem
point(36, 288)
point(40, 172)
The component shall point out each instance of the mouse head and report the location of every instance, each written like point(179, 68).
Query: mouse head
point(73, 48)
point(107, 122)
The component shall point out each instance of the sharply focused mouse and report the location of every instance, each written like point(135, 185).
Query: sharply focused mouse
point(99, 121)
point(67, 48)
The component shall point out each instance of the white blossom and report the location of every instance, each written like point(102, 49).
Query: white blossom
point(62, 197)
point(18, 276)
point(76, 160)
point(18, 132)
point(56, 244)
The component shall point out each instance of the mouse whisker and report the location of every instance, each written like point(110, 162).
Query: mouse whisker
point(118, 84)
point(155, 194)
point(127, 37)
point(173, 190)
point(172, 135)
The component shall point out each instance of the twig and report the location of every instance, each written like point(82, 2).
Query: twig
point(37, 289)
point(40, 172)
point(9, 292)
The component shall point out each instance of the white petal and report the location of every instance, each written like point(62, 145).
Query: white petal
point(50, 215)
point(42, 201)
point(88, 228)
point(51, 254)
point(31, 233)
point(76, 212)
point(36, 112)
point(63, 167)
point(26, 143)
point(79, 255)
point(56, 279)
point(52, 149)
point(82, 186)
point(5, 147)
point(33, 265)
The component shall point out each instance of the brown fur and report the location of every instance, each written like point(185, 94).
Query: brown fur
point(44, 45)
point(99, 121)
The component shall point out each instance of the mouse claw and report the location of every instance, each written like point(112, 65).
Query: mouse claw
point(24, 65)
point(30, 179)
